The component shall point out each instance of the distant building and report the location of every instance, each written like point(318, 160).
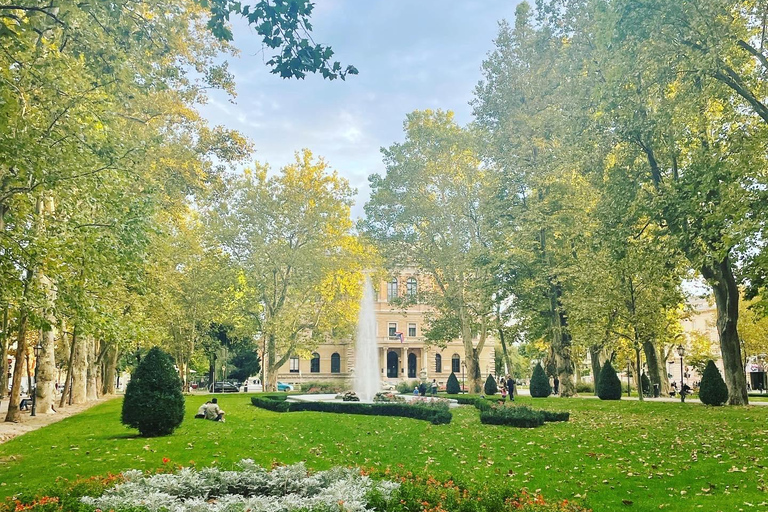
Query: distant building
point(403, 353)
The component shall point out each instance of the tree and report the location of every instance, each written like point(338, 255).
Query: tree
point(609, 385)
point(712, 390)
point(490, 386)
point(540, 387)
point(452, 387)
point(246, 364)
point(298, 262)
point(153, 401)
point(429, 210)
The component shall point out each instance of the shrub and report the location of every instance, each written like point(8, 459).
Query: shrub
point(713, 390)
point(407, 387)
point(609, 385)
point(645, 384)
point(435, 415)
point(552, 416)
point(490, 387)
point(452, 386)
point(153, 401)
point(585, 387)
point(540, 387)
point(514, 416)
point(385, 396)
point(325, 387)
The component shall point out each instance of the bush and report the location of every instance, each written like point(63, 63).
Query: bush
point(514, 416)
point(407, 387)
point(585, 387)
point(452, 386)
point(435, 415)
point(713, 390)
point(552, 416)
point(540, 387)
point(325, 387)
point(490, 387)
point(153, 401)
point(645, 384)
point(609, 385)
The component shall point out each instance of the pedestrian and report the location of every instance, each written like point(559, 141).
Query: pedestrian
point(212, 411)
point(511, 388)
point(503, 394)
point(434, 387)
point(557, 385)
point(415, 390)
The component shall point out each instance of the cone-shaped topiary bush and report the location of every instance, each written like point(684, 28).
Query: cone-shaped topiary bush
point(540, 387)
point(609, 385)
point(153, 400)
point(713, 390)
point(452, 386)
point(646, 384)
point(490, 387)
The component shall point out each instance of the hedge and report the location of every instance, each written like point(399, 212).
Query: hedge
point(518, 416)
point(434, 415)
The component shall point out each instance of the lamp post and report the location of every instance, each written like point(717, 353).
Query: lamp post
point(681, 353)
point(37, 349)
point(628, 394)
point(463, 365)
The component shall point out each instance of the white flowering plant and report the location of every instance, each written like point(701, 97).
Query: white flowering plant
point(250, 488)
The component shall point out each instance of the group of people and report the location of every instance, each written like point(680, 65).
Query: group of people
point(210, 410)
point(506, 387)
point(421, 389)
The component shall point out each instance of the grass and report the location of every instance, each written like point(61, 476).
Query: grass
point(656, 455)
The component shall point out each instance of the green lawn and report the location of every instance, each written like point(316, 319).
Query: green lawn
point(667, 456)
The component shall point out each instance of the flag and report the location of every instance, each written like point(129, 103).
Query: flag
point(400, 335)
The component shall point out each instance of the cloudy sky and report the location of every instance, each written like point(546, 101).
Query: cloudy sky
point(411, 54)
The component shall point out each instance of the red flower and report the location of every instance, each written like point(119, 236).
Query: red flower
point(166, 460)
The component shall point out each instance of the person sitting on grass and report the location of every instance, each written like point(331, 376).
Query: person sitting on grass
point(212, 411)
point(201, 411)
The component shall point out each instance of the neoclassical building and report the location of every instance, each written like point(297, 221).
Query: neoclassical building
point(403, 353)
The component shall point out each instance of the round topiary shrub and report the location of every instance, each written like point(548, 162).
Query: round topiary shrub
point(609, 385)
point(713, 390)
point(153, 401)
point(490, 387)
point(452, 386)
point(540, 387)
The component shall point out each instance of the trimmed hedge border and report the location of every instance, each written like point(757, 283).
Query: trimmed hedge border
point(432, 414)
point(517, 416)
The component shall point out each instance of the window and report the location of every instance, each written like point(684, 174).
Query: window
point(392, 289)
point(335, 363)
point(411, 288)
point(438, 363)
point(314, 364)
point(455, 363)
point(294, 364)
point(412, 330)
point(392, 330)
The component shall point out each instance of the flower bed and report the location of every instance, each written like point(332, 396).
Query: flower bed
point(387, 397)
point(435, 415)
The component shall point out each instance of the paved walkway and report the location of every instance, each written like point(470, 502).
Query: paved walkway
point(28, 423)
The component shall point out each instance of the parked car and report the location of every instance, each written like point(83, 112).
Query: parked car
point(224, 387)
point(282, 386)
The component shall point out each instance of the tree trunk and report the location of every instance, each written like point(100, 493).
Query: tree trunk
point(4, 343)
point(470, 354)
point(271, 383)
point(594, 358)
point(109, 371)
point(79, 370)
point(638, 375)
point(14, 414)
point(67, 389)
point(561, 344)
point(46, 372)
point(654, 369)
point(92, 369)
point(720, 277)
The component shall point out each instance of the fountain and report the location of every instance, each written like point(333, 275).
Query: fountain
point(366, 381)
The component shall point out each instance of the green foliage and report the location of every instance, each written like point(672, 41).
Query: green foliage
point(540, 387)
point(585, 387)
point(609, 385)
point(247, 363)
point(713, 390)
point(153, 401)
point(435, 415)
point(406, 387)
point(452, 386)
point(513, 416)
point(326, 386)
point(490, 387)
point(645, 383)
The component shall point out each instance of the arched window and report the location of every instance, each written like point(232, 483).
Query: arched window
point(411, 288)
point(455, 363)
point(438, 363)
point(392, 289)
point(314, 364)
point(294, 364)
point(335, 363)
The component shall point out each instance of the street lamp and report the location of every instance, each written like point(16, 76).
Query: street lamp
point(463, 365)
point(37, 349)
point(681, 353)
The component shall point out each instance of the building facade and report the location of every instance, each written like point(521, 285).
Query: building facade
point(403, 352)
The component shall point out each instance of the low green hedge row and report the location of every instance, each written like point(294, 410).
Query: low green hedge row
point(274, 396)
point(517, 416)
point(436, 416)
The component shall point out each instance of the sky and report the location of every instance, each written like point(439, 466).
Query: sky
point(411, 54)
